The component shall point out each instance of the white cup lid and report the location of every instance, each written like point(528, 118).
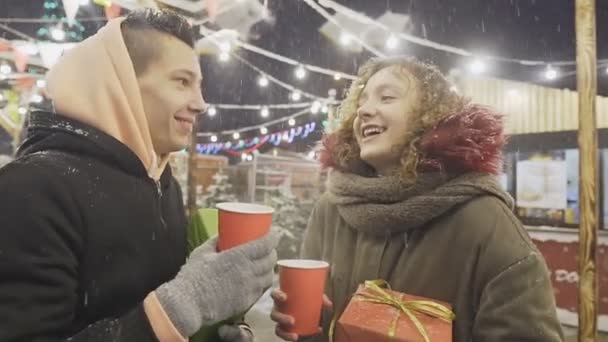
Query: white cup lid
point(303, 263)
point(245, 208)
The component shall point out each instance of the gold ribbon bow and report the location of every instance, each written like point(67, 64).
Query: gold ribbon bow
point(377, 294)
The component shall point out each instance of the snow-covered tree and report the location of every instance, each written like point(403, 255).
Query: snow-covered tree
point(218, 192)
point(290, 218)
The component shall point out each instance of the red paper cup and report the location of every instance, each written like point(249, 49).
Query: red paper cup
point(239, 223)
point(304, 283)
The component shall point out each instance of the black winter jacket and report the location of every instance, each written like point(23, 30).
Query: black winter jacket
point(85, 235)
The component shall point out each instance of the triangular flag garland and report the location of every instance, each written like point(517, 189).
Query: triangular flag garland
point(252, 144)
point(71, 8)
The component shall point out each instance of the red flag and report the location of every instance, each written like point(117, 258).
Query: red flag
point(21, 59)
point(25, 83)
point(112, 11)
point(5, 45)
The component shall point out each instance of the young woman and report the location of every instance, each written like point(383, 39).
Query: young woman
point(412, 199)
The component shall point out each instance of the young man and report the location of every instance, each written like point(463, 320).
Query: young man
point(93, 228)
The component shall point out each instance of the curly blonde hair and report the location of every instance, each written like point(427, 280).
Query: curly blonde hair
point(437, 100)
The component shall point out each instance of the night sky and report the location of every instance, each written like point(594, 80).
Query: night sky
point(525, 29)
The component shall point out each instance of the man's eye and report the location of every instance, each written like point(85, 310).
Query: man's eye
point(387, 98)
point(184, 82)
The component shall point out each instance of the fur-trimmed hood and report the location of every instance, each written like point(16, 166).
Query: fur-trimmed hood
point(469, 140)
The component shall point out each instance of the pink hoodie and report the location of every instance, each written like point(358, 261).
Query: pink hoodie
point(95, 83)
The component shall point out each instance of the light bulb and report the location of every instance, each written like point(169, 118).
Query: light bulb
point(311, 155)
point(345, 38)
point(264, 130)
point(263, 81)
point(325, 109)
point(224, 57)
point(57, 33)
point(478, 66)
point(22, 110)
point(225, 47)
point(212, 111)
point(300, 72)
point(392, 42)
point(264, 112)
point(296, 96)
point(5, 69)
point(551, 73)
point(41, 83)
point(37, 98)
point(337, 77)
point(291, 122)
point(213, 138)
point(236, 135)
point(244, 156)
point(316, 106)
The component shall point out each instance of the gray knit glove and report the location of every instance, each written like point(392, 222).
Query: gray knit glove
point(212, 287)
point(236, 333)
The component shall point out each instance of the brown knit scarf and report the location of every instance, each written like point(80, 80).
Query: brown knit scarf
point(387, 205)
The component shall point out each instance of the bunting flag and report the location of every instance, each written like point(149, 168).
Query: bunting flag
point(50, 52)
point(112, 11)
point(21, 59)
point(253, 144)
point(71, 8)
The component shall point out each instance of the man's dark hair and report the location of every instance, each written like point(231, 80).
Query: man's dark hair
point(142, 49)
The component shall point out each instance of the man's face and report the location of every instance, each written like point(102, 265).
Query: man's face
point(171, 93)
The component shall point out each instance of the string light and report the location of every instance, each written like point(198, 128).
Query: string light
point(264, 130)
point(311, 155)
point(22, 110)
point(300, 72)
point(345, 38)
point(212, 111)
point(236, 135)
point(296, 96)
point(1, 97)
point(40, 83)
point(57, 33)
point(225, 47)
point(325, 109)
point(5, 69)
point(263, 81)
point(316, 106)
point(337, 76)
point(264, 112)
point(37, 98)
point(392, 42)
point(213, 138)
point(224, 57)
point(478, 66)
point(551, 73)
point(292, 122)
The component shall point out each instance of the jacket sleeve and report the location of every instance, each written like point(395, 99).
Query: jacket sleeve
point(517, 302)
point(41, 242)
point(312, 244)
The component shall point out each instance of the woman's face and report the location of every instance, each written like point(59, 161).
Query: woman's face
point(387, 101)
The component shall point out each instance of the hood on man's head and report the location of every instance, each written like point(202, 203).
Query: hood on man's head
point(95, 83)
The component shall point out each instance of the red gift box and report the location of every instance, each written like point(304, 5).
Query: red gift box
point(378, 314)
